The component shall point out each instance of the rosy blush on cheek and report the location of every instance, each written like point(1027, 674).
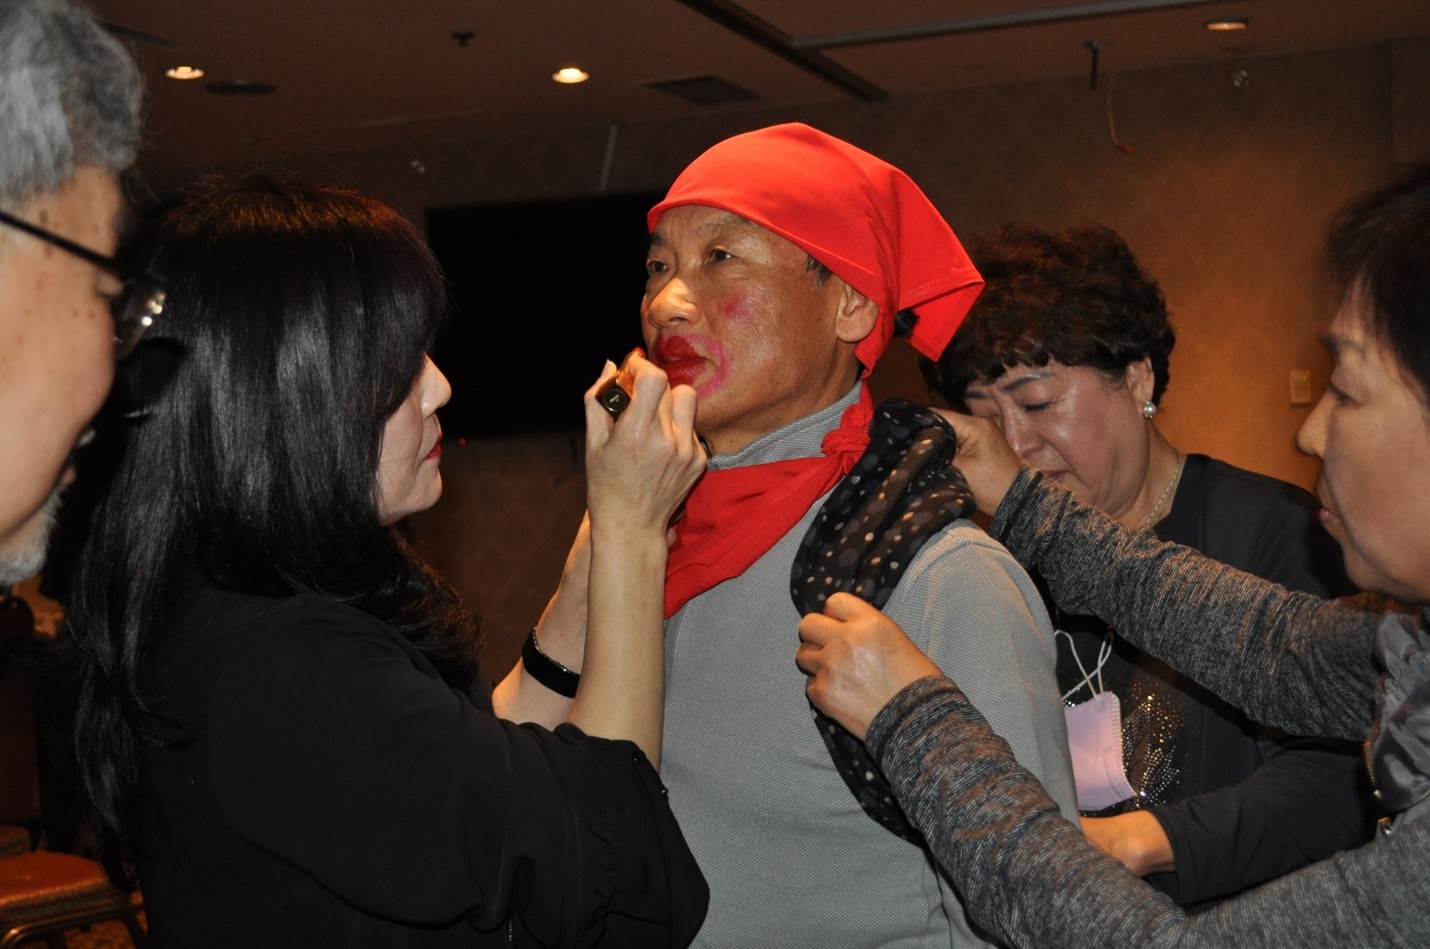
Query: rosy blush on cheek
point(741, 306)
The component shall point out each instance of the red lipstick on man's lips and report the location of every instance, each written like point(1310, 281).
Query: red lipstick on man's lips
point(681, 361)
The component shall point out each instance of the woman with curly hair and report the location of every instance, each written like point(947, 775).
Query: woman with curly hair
point(1067, 352)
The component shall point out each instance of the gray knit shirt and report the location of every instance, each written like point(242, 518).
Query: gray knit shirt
point(1288, 659)
point(791, 859)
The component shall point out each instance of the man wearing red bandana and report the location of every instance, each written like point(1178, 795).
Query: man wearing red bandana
point(777, 265)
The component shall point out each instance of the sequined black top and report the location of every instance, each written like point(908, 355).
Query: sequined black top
point(1241, 804)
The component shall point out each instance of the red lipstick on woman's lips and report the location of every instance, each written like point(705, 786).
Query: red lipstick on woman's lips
point(680, 360)
point(436, 451)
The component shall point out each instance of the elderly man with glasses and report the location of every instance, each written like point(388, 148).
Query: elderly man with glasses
point(69, 106)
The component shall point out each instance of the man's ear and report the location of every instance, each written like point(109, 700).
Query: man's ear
point(857, 315)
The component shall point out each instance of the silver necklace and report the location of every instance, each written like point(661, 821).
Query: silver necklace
point(1152, 515)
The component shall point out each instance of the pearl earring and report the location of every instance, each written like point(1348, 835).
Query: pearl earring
point(1149, 409)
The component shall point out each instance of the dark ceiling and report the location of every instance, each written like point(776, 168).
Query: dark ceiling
point(350, 75)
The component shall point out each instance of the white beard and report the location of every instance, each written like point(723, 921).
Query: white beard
point(27, 557)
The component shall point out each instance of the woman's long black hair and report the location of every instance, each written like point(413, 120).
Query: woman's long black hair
point(297, 322)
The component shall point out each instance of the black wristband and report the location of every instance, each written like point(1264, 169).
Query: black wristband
point(546, 670)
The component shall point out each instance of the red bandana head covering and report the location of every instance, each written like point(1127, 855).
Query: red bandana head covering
point(858, 215)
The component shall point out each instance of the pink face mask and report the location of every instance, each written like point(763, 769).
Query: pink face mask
point(1095, 740)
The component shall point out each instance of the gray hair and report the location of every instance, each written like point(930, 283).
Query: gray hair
point(70, 94)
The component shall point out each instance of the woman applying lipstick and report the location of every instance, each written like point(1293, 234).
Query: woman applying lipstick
point(283, 729)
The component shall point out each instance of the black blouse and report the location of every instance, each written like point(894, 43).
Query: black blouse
point(328, 788)
point(1241, 804)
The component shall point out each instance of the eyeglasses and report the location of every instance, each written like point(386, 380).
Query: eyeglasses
point(133, 310)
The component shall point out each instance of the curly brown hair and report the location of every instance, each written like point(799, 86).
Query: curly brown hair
point(1077, 296)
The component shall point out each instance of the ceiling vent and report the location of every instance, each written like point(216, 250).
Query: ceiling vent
point(240, 87)
point(704, 90)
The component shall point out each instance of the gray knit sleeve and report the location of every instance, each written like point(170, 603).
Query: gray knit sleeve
point(1287, 659)
point(1022, 871)
point(1030, 877)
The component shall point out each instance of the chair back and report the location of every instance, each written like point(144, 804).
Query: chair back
point(19, 753)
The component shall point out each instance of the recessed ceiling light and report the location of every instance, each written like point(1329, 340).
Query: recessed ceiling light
point(184, 72)
point(570, 75)
point(1228, 24)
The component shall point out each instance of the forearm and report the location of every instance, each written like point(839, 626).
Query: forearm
point(1287, 659)
point(622, 682)
point(638, 472)
point(1310, 799)
point(561, 635)
point(1304, 804)
point(1032, 879)
point(519, 697)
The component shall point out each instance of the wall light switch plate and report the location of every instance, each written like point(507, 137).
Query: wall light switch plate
point(1300, 387)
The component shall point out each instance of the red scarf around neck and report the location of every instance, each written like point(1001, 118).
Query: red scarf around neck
point(734, 516)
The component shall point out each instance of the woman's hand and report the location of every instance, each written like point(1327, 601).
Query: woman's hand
point(857, 659)
point(640, 468)
point(984, 457)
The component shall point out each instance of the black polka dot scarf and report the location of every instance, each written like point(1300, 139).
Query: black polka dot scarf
point(903, 490)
